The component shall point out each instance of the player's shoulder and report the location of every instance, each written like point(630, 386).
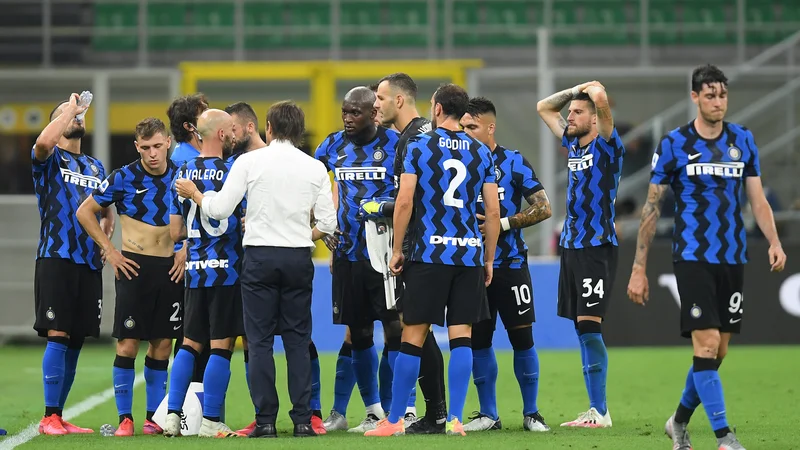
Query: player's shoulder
point(332, 141)
point(421, 125)
point(390, 132)
point(737, 128)
point(422, 139)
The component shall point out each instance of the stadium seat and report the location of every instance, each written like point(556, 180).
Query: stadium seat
point(314, 19)
point(161, 15)
point(711, 15)
point(513, 14)
point(762, 15)
point(411, 13)
point(265, 16)
point(565, 22)
point(466, 14)
point(662, 14)
point(117, 17)
point(216, 21)
point(360, 14)
point(612, 15)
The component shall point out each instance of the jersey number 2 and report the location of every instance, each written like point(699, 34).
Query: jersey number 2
point(204, 221)
point(461, 175)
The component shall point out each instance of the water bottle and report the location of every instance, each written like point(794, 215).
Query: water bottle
point(85, 99)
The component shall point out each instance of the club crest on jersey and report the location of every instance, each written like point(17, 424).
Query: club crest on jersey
point(734, 153)
point(696, 312)
point(360, 173)
point(580, 164)
point(129, 323)
point(498, 173)
point(51, 315)
point(378, 154)
point(94, 169)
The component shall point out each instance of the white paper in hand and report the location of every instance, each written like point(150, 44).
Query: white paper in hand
point(379, 234)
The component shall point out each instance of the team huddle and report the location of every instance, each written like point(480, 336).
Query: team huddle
point(449, 200)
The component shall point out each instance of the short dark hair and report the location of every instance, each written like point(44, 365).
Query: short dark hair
point(148, 128)
point(707, 74)
point(286, 121)
point(374, 87)
point(403, 82)
point(185, 109)
point(243, 110)
point(479, 106)
point(583, 96)
point(58, 105)
point(453, 98)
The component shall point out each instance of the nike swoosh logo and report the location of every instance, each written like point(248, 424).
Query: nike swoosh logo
point(139, 191)
point(718, 413)
point(734, 320)
point(117, 386)
point(47, 377)
point(589, 305)
point(341, 157)
point(65, 159)
point(175, 328)
point(695, 156)
point(523, 312)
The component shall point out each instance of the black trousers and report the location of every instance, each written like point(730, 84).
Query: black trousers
point(276, 295)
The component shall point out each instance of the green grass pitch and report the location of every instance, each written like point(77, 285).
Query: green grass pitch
point(644, 386)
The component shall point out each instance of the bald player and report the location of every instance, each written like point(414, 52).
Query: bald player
point(213, 301)
point(360, 157)
point(149, 273)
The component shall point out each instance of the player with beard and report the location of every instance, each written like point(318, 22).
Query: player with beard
point(68, 282)
point(149, 285)
point(588, 239)
point(248, 139)
point(361, 159)
point(213, 301)
point(397, 107)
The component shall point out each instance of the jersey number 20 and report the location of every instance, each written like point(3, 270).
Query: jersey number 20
point(204, 221)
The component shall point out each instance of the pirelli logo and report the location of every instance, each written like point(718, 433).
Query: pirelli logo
point(360, 173)
point(79, 179)
point(580, 164)
point(501, 192)
point(720, 169)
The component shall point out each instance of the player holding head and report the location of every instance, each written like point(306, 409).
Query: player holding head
point(248, 139)
point(510, 292)
point(183, 113)
point(68, 281)
point(588, 239)
point(706, 163)
point(396, 105)
point(360, 157)
point(445, 172)
point(149, 273)
point(213, 301)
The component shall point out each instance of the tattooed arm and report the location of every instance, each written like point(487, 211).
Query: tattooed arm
point(605, 123)
point(549, 109)
point(538, 211)
point(638, 289)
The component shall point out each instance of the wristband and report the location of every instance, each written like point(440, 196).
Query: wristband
point(504, 224)
point(575, 92)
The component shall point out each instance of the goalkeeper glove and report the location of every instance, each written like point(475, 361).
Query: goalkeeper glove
point(373, 208)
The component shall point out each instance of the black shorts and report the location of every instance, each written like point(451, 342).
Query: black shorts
point(149, 306)
point(511, 294)
point(213, 313)
point(358, 294)
point(430, 288)
point(711, 296)
point(68, 297)
point(586, 280)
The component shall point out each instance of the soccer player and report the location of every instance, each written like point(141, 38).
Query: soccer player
point(182, 114)
point(510, 293)
point(149, 273)
point(213, 301)
point(588, 239)
point(397, 107)
point(68, 284)
point(445, 171)
point(361, 158)
point(706, 163)
point(248, 139)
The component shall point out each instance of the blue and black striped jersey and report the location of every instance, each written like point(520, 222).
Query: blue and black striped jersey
point(594, 171)
point(707, 177)
point(138, 194)
point(361, 172)
point(61, 183)
point(451, 169)
point(516, 181)
point(215, 246)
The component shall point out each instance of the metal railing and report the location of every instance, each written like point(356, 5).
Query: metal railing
point(439, 26)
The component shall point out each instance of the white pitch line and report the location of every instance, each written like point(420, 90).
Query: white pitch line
point(70, 413)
